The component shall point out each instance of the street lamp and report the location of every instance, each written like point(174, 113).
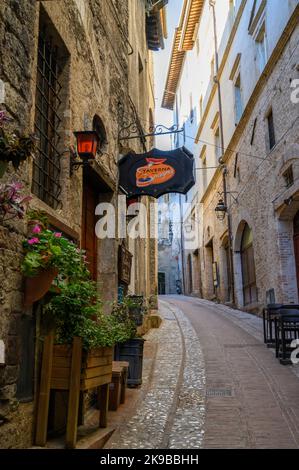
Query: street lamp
point(221, 210)
point(87, 145)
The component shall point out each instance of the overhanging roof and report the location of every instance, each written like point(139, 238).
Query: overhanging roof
point(190, 23)
point(174, 71)
point(183, 41)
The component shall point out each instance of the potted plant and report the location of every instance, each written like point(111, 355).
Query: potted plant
point(13, 148)
point(136, 308)
point(49, 254)
point(130, 350)
point(82, 332)
point(12, 201)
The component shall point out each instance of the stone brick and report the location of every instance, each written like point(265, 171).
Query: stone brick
point(98, 75)
point(8, 392)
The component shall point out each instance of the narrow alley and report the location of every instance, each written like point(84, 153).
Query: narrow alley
point(218, 386)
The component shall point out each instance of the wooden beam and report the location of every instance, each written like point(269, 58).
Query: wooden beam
point(44, 392)
point(74, 394)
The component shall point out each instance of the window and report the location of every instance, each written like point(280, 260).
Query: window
point(141, 84)
point(213, 68)
point(46, 166)
point(191, 109)
point(261, 48)
point(271, 130)
point(200, 108)
point(238, 99)
point(288, 177)
point(204, 173)
point(197, 45)
point(218, 150)
point(232, 9)
point(248, 267)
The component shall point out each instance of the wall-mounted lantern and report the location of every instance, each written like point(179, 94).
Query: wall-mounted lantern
point(87, 145)
point(220, 210)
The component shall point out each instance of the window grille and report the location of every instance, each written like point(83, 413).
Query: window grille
point(46, 167)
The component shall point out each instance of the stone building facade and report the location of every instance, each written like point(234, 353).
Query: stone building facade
point(93, 59)
point(250, 257)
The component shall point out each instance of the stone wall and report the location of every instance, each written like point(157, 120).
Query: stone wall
point(98, 68)
point(258, 187)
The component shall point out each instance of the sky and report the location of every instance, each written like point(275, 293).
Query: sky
point(161, 62)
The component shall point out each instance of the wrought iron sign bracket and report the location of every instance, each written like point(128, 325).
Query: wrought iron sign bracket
point(131, 127)
point(129, 132)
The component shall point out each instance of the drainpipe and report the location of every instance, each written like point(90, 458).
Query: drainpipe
point(224, 173)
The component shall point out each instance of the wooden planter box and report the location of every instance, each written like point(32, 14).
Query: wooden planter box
point(71, 368)
point(96, 367)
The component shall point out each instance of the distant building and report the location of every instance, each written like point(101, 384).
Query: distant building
point(170, 276)
point(254, 260)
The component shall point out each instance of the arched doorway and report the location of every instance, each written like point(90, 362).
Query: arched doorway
point(296, 245)
point(248, 267)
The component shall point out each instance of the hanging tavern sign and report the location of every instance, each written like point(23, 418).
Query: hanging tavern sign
point(156, 172)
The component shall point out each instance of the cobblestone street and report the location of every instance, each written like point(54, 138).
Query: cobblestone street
point(212, 384)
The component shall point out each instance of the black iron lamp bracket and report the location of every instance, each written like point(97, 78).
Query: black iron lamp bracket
point(221, 194)
point(75, 162)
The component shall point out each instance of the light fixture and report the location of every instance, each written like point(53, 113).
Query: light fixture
point(87, 145)
point(220, 210)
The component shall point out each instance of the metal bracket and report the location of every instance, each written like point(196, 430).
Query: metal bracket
point(231, 193)
point(75, 162)
point(132, 129)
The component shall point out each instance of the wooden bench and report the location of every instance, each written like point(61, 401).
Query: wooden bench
point(117, 389)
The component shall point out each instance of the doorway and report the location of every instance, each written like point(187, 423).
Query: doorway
point(161, 283)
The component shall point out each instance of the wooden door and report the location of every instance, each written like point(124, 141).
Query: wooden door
point(296, 245)
point(89, 239)
point(161, 283)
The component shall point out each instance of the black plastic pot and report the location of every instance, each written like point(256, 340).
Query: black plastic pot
point(132, 352)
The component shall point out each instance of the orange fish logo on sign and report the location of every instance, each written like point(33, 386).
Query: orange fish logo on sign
point(155, 172)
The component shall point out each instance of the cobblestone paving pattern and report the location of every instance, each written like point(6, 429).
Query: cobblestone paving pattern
point(171, 412)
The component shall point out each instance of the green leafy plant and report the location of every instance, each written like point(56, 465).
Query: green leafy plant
point(121, 312)
point(77, 311)
point(45, 248)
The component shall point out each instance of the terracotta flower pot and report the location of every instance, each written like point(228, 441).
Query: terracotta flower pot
point(36, 287)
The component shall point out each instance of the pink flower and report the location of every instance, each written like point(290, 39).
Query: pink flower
point(58, 234)
point(33, 240)
point(36, 229)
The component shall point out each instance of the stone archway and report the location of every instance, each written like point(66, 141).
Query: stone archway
point(244, 264)
point(225, 266)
